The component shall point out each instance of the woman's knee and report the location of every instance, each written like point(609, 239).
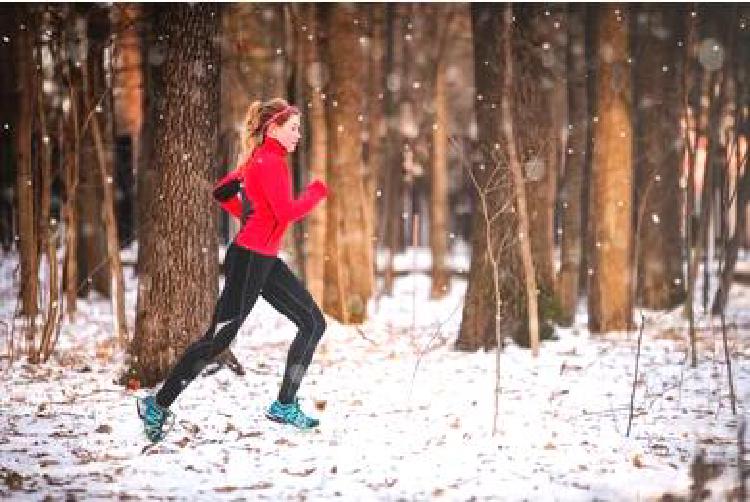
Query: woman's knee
point(319, 322)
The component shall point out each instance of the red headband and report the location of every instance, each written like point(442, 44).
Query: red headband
point(287, 108)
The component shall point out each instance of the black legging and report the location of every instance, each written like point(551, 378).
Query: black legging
point(249, 275)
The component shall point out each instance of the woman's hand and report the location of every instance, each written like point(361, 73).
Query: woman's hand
point(318, 189)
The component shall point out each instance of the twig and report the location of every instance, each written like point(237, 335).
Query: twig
point(728, 360)
point(362, 334)
point(741, 458)
point(427, 345)
point(635, 376)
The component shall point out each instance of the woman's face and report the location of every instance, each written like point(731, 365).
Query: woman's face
point(288, 133)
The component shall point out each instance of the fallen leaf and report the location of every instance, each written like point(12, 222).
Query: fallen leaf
point(305, 472)
point(637, 461)
point(225, 489)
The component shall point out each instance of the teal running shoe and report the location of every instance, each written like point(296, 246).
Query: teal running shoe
point(157, 421)
point(291, 414)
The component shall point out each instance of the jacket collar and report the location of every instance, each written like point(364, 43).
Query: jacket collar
point(273, 145)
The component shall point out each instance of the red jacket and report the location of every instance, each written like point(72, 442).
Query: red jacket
point(268, 187)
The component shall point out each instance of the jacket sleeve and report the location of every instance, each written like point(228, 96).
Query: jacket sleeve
point(226, 193)
point(278, 191)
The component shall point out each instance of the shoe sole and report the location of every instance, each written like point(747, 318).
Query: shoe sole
point(278, 420)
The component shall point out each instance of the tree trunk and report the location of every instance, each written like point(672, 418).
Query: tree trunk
point(27, 238)
point(490, 308)
point(9, 88)
point(571, 196)
point(71, 157)
point(92, 251)
point(439, 189)
point(612, 178)
point(127, 74)
point(537, 141)
point(311, 63)
point(733, 246)
point(44, 222)
point(741, 234)
point(478, 322)
point(519, 186)
point(99, 31)
point(393, 172)
point(178, 282)
point(659, 158)
point(345, 167)
point(377, 127)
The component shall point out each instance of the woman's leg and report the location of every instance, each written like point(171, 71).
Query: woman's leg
point(247, 273)
point(288, 295)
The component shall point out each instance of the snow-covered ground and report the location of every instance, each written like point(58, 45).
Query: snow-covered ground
point(404, 416)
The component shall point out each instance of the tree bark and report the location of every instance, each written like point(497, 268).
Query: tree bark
point(659, 158)
point(27, 238)
point(610, 291)
point(346, 166)
point(178, 282)
point(571, 196)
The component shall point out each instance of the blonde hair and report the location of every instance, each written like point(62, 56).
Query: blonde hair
point(258, 117)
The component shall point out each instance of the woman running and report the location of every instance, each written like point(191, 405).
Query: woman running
point(259, 193)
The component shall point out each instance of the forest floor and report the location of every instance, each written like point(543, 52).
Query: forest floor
point(404, 416)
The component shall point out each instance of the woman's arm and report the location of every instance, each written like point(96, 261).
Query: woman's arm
point(226, 193)
point(277, 188)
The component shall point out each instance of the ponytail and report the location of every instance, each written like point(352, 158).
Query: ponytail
point(249, 132)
